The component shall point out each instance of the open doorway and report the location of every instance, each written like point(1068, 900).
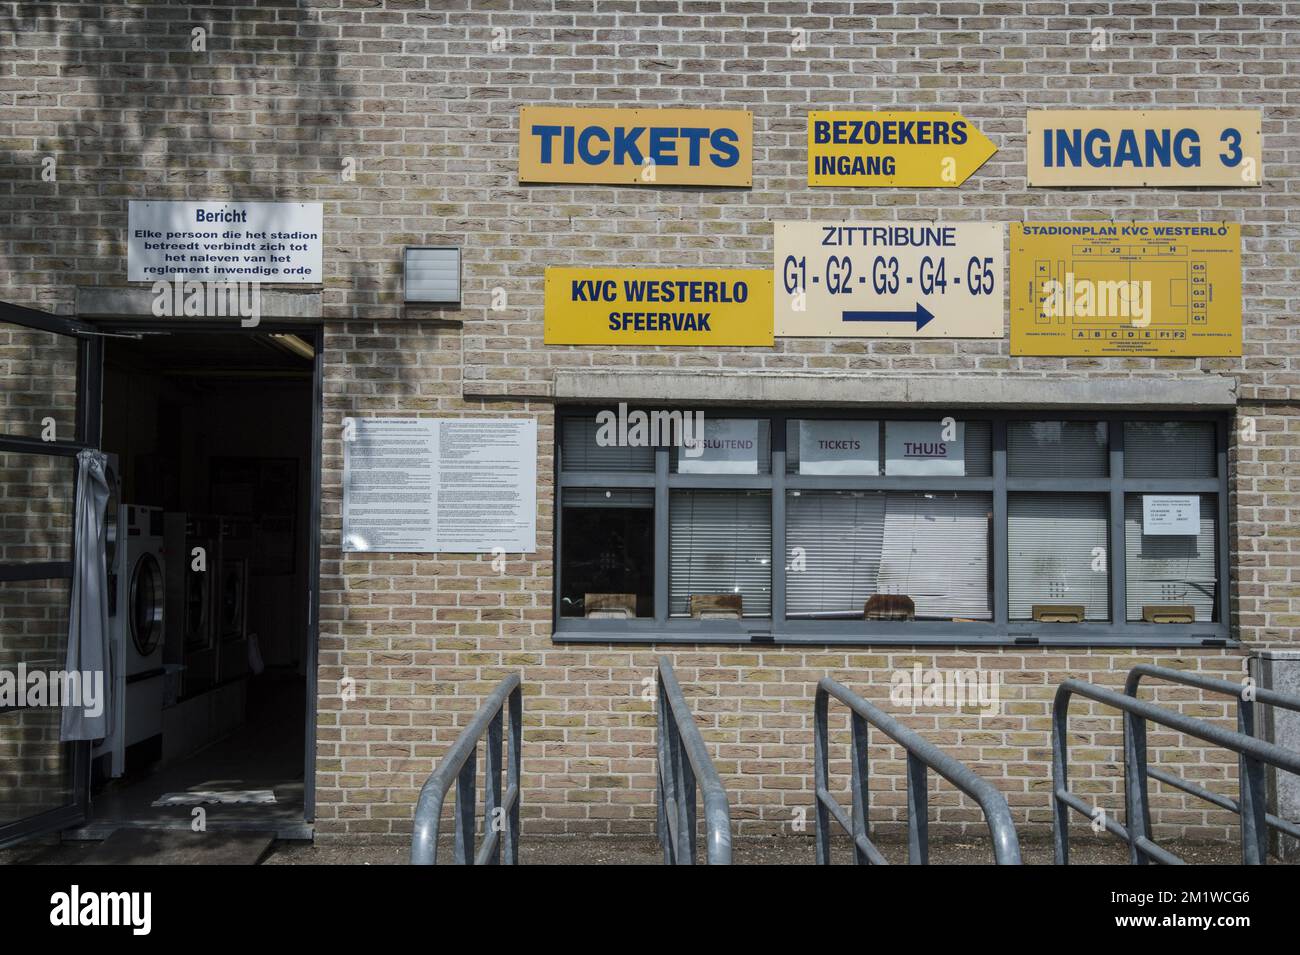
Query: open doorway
point(214, 436)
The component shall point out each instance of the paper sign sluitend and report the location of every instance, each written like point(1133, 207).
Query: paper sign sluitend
point(730, 447)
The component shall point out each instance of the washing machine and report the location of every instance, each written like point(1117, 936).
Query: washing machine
point(136, 630)
point(236, 554)
point(192, 598)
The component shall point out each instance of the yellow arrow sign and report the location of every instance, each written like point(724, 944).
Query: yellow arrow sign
point(908, 149)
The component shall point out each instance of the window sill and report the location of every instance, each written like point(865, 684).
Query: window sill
point(762, 633)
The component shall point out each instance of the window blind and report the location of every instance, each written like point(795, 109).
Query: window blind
point(580, 452)
point(720, 542)
point(833, 543)
point(1162, 449)
point(1050, 539)
point(1170, 570)
point(936, 552)
point(595, 497)
point(979, 448)
point(1051, 449)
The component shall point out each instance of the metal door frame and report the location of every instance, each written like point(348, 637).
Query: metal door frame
point(90, 356)
point(313, 331)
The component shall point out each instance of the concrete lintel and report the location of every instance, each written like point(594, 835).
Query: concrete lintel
point(883, 391)
point(136, 302)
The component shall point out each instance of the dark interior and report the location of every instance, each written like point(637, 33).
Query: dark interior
point(215, 429)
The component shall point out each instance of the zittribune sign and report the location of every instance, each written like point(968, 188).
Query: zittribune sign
point(638, 147)
point(913, 150)
point(889, 279)
point(603, 306)
point(1163, 147)
point(1125, 288)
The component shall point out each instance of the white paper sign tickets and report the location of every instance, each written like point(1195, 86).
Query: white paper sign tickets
point(839, 447)
point(730, 447)
point(1171, 515)
point(225, 241)
point(440, 485)
point(925, 448)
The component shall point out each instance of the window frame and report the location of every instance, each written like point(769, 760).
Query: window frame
point(999, 631)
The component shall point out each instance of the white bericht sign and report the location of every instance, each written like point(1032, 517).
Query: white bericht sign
point(429, 485)
point(925, 448)
point(1171, 515)
point(839, 447)
point(223, 241)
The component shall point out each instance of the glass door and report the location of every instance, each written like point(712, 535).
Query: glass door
point(49, 410)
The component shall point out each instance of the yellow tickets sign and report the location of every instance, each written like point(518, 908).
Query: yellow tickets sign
point(1140, 147)
point(1125, 288)
point(909, 149)
point(636, 147)
point(604, 306)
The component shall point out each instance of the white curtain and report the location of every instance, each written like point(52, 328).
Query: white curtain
point(88, 644)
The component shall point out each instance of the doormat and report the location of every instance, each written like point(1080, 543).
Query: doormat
point(220, 797)
point(156, 847)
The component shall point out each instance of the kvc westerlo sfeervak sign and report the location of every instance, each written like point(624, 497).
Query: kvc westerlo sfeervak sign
point(609, 306)
point(888, 279)
point(1132, 147)
point(224, 241)
point(638, 147)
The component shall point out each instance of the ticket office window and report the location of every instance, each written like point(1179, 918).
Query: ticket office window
point(737, 526)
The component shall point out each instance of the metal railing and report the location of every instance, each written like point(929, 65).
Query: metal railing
point(1136, 829)
point(460, 765)
point(922, 756)
point(682, 760)
point(1252, 805)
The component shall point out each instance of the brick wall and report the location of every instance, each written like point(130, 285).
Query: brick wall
point(426, 106)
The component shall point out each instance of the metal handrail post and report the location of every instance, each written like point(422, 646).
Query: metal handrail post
point(821, 781)
point(1251, 805)
point(502, 711)
point(1136, 828)
point(922, 756)
point(1135, 786)
point(684, 765)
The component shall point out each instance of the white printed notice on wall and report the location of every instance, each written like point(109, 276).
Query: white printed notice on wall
point(224, 241)
point(429, 485)
point(1171, 515)
point(925, 447)
point(839, 447)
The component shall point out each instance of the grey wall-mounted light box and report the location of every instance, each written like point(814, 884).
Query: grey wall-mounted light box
point(432, 274)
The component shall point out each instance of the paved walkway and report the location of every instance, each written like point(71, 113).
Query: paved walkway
point(622, 851)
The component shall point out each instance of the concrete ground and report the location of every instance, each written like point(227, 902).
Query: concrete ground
point(630, 851)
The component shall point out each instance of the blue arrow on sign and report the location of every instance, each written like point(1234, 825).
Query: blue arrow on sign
point(922, 316)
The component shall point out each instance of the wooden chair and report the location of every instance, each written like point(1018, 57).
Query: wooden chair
point(889, 607)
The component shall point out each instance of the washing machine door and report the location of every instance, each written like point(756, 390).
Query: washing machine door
point(198, 635)
point(145, 604)
point(112, 517)
point(233, 585)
